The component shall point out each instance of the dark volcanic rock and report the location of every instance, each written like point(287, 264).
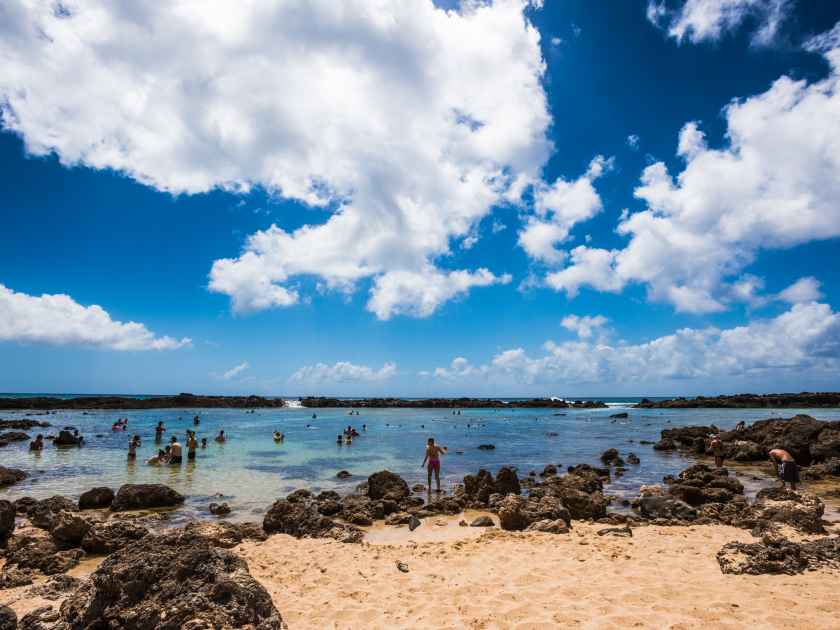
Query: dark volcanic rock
point(96, 498)
point(8, 476)
point(386, 484)
point(37, 551)
point(13, 436)
point(507, 482)
point(107, 537)
point(700, 484)
point(24, 504)
point(7, 520)
point(55, 588)
point(8, 618)
point(760, 558)
point(119, 402)
point(68, 528)
point(25, 425)
point(610, 457)
point(219, 509)
point(632, 458)
point(144, 496)
point(303, 520)
point(622, 414)
point(744, 401)
point(483, 521)
point(166, 582)
point(518, 513)
point(66, 438)
point(43, 513)
point(44, 618)
point(486, 447)
point(343, 474)
point(12, 577)
point(666, 507)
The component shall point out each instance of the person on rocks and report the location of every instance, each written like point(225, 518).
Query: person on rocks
point(221, 437)
point(716, 445)
point(133, 443)
point(37, 444)
point(432, 461)
point(159, 431)
point(741, 426)
point(788, 468)
point(175, 457)
point(192, 444)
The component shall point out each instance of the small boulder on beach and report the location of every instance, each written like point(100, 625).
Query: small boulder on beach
point(144, 496)
point(96, 498)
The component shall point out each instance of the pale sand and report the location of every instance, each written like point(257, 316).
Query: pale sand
point(663, 577)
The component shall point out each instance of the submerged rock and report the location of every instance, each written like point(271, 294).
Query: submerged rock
point(9, 476)
point(219, 509)
point(144, 496)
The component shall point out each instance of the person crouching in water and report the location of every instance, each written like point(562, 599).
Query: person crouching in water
point(433, 453)
point(175, 456)
point(788, 468)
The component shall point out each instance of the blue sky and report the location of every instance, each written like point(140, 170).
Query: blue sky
point(503, 199)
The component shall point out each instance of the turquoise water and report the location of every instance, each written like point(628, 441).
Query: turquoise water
point(250, 470)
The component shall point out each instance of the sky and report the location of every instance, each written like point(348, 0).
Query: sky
point(417, 198)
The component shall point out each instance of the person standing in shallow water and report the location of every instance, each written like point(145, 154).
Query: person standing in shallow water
point(433, 453)
point(717, 449)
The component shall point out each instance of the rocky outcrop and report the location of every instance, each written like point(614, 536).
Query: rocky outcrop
point(24, 425)
point(96, 498)
point(664, 507)
point(163, 582)
point(104, 538)
point(480, 487)
point(144, 496)
point(157, 402)
point(518, 513)
point(7, 520)
point(610, 457)
point(701, 484)
point(69, 528)
point(67, 438)
point(779, 556)
point(580, 491)
point(9, 476)
point(13, 436)
point(219, 509)
point(42, 514)
point(387, 485)
point(35, 550)
point(302, 519)
point(13, 577)
point(8, 618)
point(43, 618)
point(802, 400)
point(449, 403)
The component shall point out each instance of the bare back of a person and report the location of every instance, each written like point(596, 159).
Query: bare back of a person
point(781, 455)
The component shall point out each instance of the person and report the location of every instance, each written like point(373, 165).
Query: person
point(716, 445)
point(433, 453)
point(192, 443)
point(117, 426)
point(741, 426)
point(159, 431)
point(339, 440)
point(364, 427)
point(278, 437)
point(175, 456)
point(203, 442)
point(348, 439)
point(788, 469)
point(221, 437)
point(37, 444)
point(133, 443)
point(158, 459)
point(196, 420)
point(79, 438)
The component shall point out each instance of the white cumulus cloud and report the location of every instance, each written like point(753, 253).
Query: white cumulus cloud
point(584, 326)
point(59, 320)
point(805, 289)
point(342, 372)
point(380, 113)
point(708, 20)
point(774, 185)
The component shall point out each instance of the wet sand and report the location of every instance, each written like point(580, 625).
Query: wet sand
point(663, 577)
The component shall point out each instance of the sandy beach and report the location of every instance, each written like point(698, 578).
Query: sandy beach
point(662, 577)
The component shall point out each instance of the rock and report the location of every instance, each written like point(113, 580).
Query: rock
point(418, 487)
point(329, 507)
point(299, 495)
point(557, 526)
point(9, 476)
point(69, 528)
point(8, 618)
point(665, 444)
point(803, 511)
point(511, 513)
point(302, 520)
point(517, 513)
point(622, 414)
point(145, 495)
point(579, 491)
point(7, 520)
point(549, 471)
point(24, 504)
point(666, 507)
point(25, 425)
point(616, 531)
point(43, 513)
point(402, 566)
point(479, 487)
point(760, 558)
point(828, 468)
point(611, 458)
point(632, 458)
point(165, 582)
point(413, 523)
point(827, 444)
point(744, 451)
point(699, 484)
point(486, 447)
point(12, 577)
point(104, 538)
point(507, 481)
point(13, 436)
point(66, 438)
point(343, 474)
point(483, 521)
point(43, 618)
point(55, 588)
point(387, 484)
point(462, 523)
point(96, 498)
point(399, 518)
point(37, 551)
point(219, 509)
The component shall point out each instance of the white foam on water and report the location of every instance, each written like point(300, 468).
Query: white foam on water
point(294, 404)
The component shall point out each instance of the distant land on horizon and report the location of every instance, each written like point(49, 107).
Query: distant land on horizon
point(187, 400)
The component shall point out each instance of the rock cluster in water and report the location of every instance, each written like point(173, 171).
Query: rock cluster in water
point(744, 401)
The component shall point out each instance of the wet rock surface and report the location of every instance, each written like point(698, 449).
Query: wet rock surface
point(7, 520)
point(9, 476)
point(96, 498)
point(145, 496)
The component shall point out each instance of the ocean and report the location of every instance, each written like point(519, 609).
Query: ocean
point(251, 470)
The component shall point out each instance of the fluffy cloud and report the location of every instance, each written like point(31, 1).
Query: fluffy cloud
point(708, 20)
point(803, 290)
point(774, 185)
point(342, 372)
point(633, 141)
point(235, 371)
point(380, 113)
point(60, 320)
point(804, 340)
point(558, 208)
point(584, 326)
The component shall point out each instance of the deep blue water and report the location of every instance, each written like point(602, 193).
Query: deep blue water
point(250, 470)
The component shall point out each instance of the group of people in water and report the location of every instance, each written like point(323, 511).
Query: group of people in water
point(347, 436)
point(172, 453)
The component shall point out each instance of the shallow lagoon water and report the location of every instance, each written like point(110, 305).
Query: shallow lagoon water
point(250, 470)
